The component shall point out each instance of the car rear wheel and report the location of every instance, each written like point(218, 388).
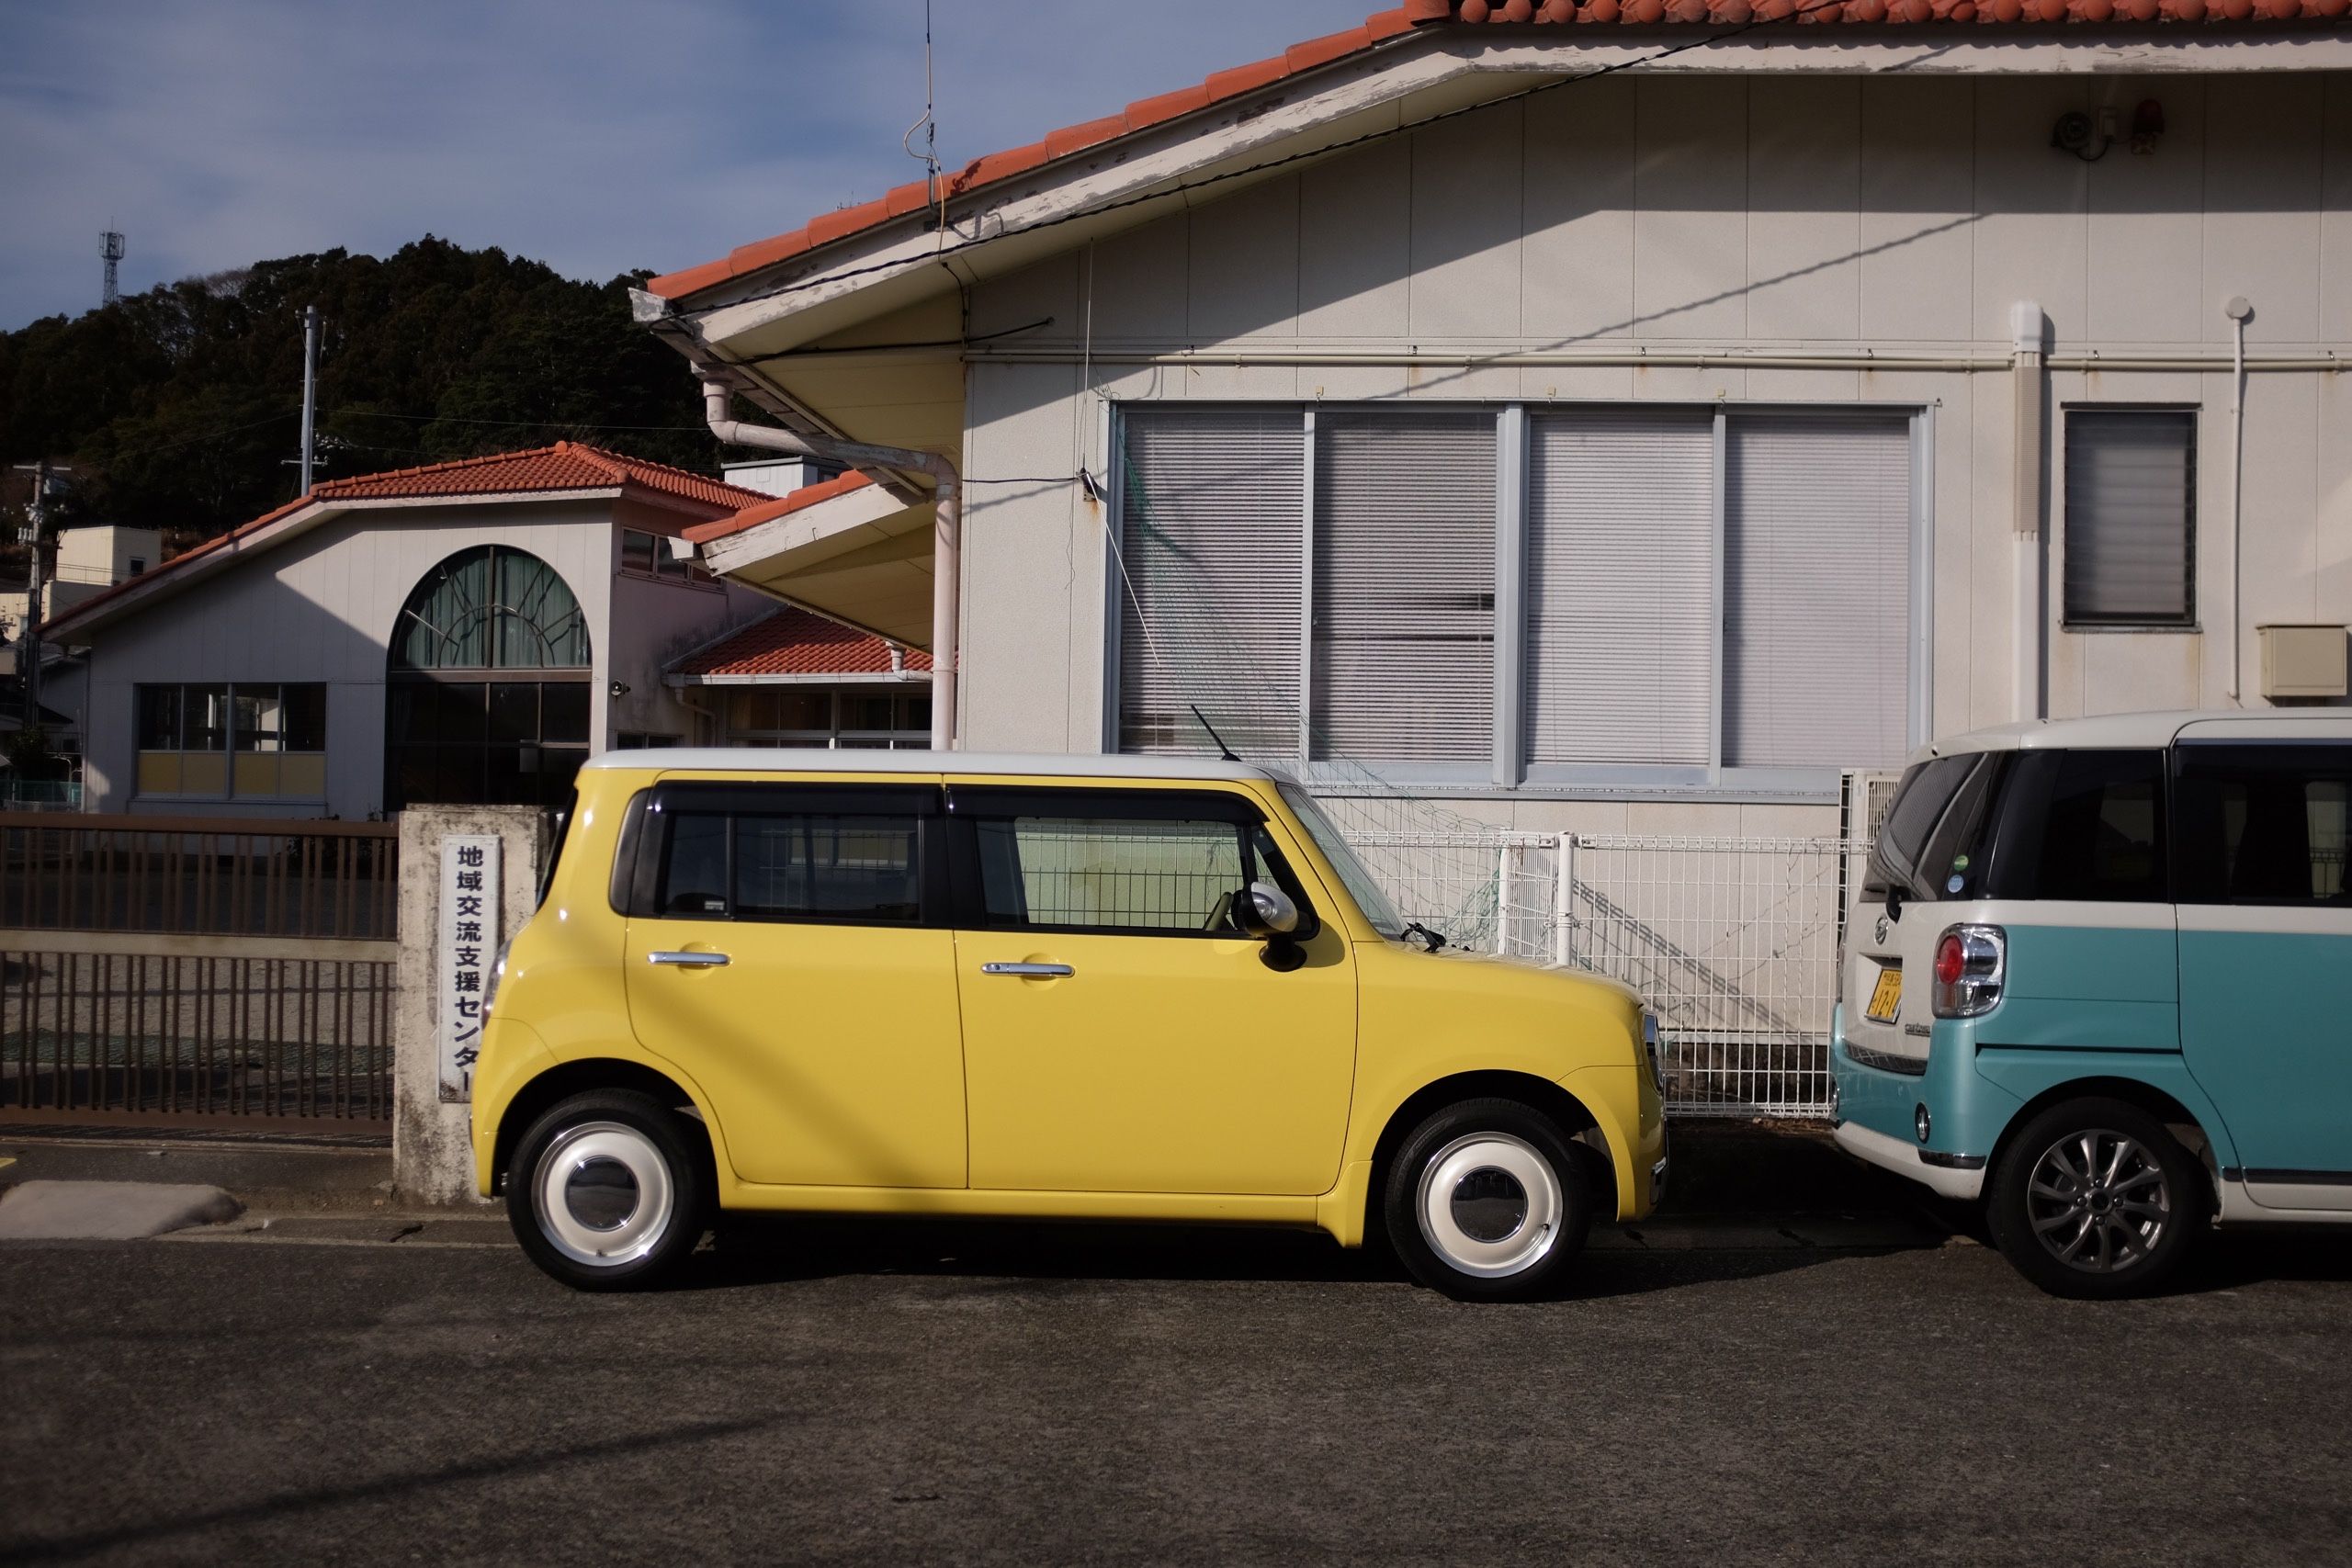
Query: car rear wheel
point(2094, 1199)
point(605, 1192)
point(1487, 1200)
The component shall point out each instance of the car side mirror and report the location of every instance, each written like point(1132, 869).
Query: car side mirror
point(1266, 912)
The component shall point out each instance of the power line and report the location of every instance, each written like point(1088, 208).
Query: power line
point(1187, 188)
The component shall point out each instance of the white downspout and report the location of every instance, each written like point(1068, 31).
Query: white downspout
point(2237, 311)
point(946, 535)
point(2027, 555)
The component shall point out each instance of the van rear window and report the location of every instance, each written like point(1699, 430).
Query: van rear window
point(1920, 803)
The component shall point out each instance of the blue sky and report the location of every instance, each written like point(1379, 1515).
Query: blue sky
point(591, 134)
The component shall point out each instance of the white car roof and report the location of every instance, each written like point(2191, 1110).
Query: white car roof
point(2121, 731)
point(1005, 764)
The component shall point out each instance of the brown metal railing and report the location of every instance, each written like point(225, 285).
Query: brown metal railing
point(241, 1026)
point(199, 875)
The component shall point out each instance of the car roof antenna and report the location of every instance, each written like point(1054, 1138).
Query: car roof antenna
point(1223, 750)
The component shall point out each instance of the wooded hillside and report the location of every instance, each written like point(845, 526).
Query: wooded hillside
point(181, 407)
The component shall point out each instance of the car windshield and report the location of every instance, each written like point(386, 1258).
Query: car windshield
point(1360, 884)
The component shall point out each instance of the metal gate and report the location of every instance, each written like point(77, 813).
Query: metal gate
point(238, 966)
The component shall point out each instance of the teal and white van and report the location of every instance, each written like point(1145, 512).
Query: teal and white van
point(2099, 976)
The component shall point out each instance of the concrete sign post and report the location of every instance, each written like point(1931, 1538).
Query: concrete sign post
point(465, 946)
point(468, 874)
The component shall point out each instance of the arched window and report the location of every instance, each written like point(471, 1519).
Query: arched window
point(490, 608)
point(487, 693)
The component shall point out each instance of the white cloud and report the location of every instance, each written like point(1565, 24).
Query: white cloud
point(591, 134)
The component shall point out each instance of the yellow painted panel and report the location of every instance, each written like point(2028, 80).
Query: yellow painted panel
point(304, 775)
point(204, 772)
point(831, 1051)
point(256, 773)
point(1161, 1064)
point(159, 773)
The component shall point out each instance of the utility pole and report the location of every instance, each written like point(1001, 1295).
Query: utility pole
point(30, 534)
point(310, 386)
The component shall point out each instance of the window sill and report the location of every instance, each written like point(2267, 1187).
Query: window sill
point(2093, 627)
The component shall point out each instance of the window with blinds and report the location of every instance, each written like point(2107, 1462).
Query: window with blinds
point(1367, 634)
point(1817, 591)
point(1211, 569)
point(1404, 616)
point(2131, 479)
point(1620, 587)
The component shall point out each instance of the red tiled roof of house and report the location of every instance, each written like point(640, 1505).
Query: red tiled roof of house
point(1385, 25)
point(771, 508)
point(566, 466)
point(794, 642)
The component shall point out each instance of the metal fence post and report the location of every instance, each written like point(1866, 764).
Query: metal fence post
point(1563, 949)
point(1502, 897)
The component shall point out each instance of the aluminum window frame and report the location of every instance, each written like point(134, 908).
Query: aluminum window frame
point(1507, 773)
point(2061, 533)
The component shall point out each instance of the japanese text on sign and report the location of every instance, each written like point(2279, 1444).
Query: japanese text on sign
point(465, 949)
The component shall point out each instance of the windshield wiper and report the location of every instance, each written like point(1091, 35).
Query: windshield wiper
point(1435, 940)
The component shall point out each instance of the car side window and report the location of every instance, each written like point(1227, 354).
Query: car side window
point(1144, 867)
point(2088, 826)
point(2264, 824)
point(749, 853)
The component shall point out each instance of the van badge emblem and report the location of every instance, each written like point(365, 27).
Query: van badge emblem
point(1880, 931)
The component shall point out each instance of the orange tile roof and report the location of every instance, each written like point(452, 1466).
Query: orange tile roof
point(1383, 25)
point(794, 642)
point(566, 466)
point(773, 507)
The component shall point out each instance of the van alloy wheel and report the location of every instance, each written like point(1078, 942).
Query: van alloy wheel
point(603, 1194)
point(1489, 1205)
point(2098, 1200)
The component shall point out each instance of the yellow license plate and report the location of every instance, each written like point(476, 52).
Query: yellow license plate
point(1886, 997)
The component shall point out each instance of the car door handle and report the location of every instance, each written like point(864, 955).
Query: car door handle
point(1030, 971)
point(688, 960)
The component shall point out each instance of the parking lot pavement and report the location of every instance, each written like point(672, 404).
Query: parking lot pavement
point(1024, 1394)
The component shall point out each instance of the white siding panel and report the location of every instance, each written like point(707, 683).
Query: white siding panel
point(2146, 214)
point(1245, 263)
point(1355, 244)
point(1467, 227)
point(1620, 587)
point(1804, 222)
point(1816, 590)
point(1211, 527)
point(2032, 237)
point(1918, 207)
point(1690, 228)
point(1404, 635)
point(1578, 262)
point(2262, 178)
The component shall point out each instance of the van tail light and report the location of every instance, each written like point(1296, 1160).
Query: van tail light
point(1971, 964)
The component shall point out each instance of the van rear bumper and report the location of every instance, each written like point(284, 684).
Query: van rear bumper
point(1949, 1176)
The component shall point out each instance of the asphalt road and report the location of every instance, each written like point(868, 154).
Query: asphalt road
point(1099, 1395)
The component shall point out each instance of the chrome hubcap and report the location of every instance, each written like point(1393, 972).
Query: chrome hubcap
point(603, 1194)
point(1489, 1205)
point(2098, 1200)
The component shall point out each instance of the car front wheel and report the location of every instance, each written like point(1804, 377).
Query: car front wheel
point(1487, 1200)
point(605, 1192)
point(2095, 1198)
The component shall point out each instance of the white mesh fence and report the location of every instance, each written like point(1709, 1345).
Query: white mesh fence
point(1732, 942)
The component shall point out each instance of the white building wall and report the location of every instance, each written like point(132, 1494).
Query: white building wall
point(322, 608)
point(1902, 215)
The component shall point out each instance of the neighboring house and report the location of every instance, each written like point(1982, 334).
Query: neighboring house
point(796, 679)
point(466, 632)
point(1628, 451)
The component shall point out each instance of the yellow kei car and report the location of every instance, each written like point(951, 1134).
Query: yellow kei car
point(1103, 987)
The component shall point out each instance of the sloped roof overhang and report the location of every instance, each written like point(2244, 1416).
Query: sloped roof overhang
point(861, 556)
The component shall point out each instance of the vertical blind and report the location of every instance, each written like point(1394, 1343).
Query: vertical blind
point(1620, 587)
point(1404, 632)
point(1212, 545)
point(2131, 477)
point(1817, 591)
